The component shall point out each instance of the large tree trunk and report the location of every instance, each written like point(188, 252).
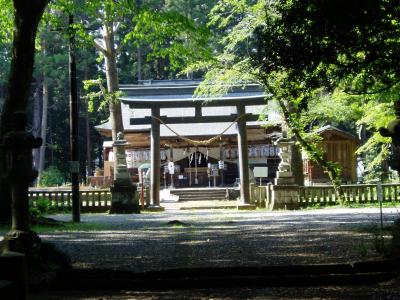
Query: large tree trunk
point(112, 85)
point(43, 132)
point(112, 81)
point(26, 20)
point(36, 121)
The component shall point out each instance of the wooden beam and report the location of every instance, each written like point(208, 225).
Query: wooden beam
point(172, 103)
point(188, 120)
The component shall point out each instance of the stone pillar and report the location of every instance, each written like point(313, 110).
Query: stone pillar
point(155, 161)
point(17, 170)
point(123, 200)
point(285, 193)
point(243, 160)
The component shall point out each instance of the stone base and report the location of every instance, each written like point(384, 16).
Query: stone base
point(284, 197)
point(284, 181)
point(154, 208)
point(124, 200)
point(26, 242)
point(284, 174)
point(245, 206)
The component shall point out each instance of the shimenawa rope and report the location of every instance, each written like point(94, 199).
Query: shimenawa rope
point(196, 142)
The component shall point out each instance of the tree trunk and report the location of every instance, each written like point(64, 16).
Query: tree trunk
point(42, 160)
point(36, 121)
point(26, 20)
point(112, 86)
point(112, 82)
point(89, 170)
point(297, 163)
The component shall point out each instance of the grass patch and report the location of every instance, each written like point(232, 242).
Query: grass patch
point(321, 205)
point(382, 241)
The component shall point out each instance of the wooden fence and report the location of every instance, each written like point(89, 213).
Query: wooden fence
point(92, 200)
point(99, 200)
point(325, 195)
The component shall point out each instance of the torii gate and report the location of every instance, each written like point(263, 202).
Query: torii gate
point(157, 97)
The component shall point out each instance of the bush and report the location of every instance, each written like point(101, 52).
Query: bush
point(51, 177)
point(40, 207)
point(43, 205)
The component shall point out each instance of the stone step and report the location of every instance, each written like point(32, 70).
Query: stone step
point(200, 199)
point(200, 194)
point(180, 192)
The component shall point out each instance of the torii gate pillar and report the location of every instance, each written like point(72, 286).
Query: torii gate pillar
point(243, 160)
point(155, 163)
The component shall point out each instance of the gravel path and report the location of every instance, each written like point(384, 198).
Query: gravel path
point(221, 238)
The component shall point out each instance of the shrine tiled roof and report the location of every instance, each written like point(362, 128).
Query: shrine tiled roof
point(172, 91)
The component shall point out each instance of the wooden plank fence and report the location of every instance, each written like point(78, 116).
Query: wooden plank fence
point(325, 195)
point(92, 200)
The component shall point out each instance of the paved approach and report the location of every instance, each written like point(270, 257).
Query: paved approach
point(181, 239)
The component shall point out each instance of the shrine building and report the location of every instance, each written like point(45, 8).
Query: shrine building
point(213, 141)
point(193, 162)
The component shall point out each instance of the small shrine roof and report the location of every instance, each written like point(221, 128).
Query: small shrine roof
point(330, 128)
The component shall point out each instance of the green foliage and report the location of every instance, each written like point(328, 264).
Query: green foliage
point(314, 64)
point(234, 23)
point(171, 36)
point(40, 207)
point(51, 177)
point(6, 30)
point(98, 94)
point(6, 20)
point(322, 42)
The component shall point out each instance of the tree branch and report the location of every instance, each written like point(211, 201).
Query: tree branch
point(373, 92)
point(99, 47)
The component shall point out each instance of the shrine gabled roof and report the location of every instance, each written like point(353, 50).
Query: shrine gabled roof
point(175, 99)
point(330, 128)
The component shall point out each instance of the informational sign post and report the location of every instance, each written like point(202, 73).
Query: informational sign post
point(171, 170)
point(260, 172)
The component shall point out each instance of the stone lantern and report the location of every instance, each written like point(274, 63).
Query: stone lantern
point(284, 193)
point(122, 190)
point(284, 175)
point(17, 171)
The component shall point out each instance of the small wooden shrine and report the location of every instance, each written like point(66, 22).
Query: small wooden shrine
point(340, 147)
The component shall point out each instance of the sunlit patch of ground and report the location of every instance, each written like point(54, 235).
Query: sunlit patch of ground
point(220, 238)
